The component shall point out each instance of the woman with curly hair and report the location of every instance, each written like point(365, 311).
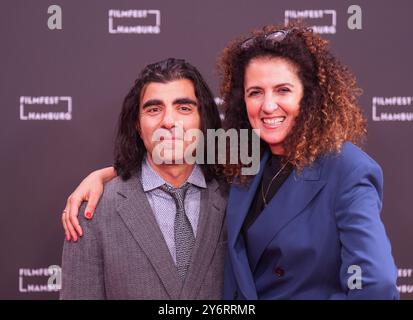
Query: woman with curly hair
point(307, 225)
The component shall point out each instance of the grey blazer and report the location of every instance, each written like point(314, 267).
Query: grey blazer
point(123, 255)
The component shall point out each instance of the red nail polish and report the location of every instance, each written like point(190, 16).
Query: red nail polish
point(88, 215)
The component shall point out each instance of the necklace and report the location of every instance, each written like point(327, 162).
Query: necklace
point(264, 196)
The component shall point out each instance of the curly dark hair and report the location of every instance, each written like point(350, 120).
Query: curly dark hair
point(129, 147)
point(329, 114)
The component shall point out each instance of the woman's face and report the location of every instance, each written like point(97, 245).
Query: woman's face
point(272, 95)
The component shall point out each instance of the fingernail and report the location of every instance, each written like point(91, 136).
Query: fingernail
point(88, 215)
point(67, 238)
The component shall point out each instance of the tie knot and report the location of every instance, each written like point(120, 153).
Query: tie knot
point(177, 193)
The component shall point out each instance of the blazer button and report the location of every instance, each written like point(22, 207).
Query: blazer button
point(278, 271)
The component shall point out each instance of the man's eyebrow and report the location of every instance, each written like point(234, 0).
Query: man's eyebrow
point(152, 102)
point(185, 101)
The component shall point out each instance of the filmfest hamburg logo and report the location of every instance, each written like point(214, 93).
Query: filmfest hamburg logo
point(40, 279)
point(219, 101)
point(404, 281)
point(392, 108)
point(45, 108)
point(134, 21)
point(322, 21)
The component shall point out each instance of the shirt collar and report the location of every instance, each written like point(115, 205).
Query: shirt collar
point(151, 180)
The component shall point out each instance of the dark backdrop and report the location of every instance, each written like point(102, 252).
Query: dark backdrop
point(46, 149)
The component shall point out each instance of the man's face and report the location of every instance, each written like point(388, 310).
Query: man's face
point(171, 108)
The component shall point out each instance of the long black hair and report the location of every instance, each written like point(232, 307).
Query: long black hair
point(129, 147)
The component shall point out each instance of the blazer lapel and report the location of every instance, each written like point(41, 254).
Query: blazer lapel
point(138, 217)
point(239, 203)
point(290, 200)
point(210, 225)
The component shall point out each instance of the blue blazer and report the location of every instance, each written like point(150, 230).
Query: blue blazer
point(320, 237)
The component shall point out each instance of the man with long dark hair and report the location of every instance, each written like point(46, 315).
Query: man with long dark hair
point(159, 229)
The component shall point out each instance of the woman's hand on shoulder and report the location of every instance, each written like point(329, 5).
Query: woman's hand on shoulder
point(90, 190)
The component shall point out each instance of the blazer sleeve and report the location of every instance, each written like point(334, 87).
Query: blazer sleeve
point(368, 270)
point(82, 264)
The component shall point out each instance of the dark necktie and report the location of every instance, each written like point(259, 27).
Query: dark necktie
point(184, 235)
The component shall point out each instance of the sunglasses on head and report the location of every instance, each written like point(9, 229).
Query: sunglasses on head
point(276, 36)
